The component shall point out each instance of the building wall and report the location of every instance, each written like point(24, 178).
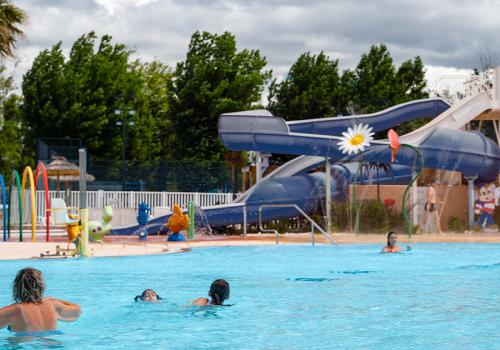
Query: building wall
point(452, 200)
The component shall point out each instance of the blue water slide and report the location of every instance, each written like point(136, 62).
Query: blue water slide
point(306, 190)
point(468, 152)
point(379, 121)
point(298, 185)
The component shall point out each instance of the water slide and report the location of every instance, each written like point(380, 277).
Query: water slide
point(293, 183)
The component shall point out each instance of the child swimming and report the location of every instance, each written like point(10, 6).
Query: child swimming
point(149, 296)
point(219, 292)
point(31, 312)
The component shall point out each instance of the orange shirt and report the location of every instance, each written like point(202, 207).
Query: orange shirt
point(395, 249)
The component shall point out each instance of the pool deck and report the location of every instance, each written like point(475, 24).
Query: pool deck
point(130, 246)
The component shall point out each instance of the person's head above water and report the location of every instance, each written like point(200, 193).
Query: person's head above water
point(28, 286)
point(392, 239)
point(148, 295)
point(219, 291)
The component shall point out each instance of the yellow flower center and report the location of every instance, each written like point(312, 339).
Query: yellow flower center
point(357, 140)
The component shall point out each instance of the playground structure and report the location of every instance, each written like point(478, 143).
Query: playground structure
point(446, 143)
point(57, 214)
point(27, 179)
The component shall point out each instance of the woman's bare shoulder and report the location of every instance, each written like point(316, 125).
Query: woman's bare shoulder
point(200, 302)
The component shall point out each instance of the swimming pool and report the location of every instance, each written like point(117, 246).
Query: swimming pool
point(439, 296)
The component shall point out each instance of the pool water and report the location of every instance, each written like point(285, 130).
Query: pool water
point(439, 296)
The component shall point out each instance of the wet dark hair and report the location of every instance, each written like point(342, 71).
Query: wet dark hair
point(143, 294)
point(219, 291)
point(28, 286)
point(389, 235)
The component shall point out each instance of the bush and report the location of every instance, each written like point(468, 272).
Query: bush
point(455, 224)
point(373, 216)
point(397, 222)
point(340, 216)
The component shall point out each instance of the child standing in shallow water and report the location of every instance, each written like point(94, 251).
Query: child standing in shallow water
point(219, 292)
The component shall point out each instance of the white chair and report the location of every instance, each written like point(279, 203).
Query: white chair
point(59, 213)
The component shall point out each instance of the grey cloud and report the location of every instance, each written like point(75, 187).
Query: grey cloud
point(444, 33)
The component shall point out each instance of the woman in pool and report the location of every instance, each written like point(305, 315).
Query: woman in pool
point(148, 296)
point(219, 292)
point(392, 247)
point(31, 312)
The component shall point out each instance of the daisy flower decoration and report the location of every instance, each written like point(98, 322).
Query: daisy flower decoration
point(355, 139)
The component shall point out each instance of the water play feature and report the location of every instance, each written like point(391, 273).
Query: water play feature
point(443, 142)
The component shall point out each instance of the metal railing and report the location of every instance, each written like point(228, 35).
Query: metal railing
point(307, 217)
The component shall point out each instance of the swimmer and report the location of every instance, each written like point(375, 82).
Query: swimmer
point(219, 291)
point(148, 296)
point(31, 312)
point(391, 247)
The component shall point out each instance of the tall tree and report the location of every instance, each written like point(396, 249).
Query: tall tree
point(78, 97)
point(13, 152)
point(11, 18)
point(214, 78)
point(310, 90)
point(152, 106)
point(379, 84)
point(375, 78)
point(411, 80)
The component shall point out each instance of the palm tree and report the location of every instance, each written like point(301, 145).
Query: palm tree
point(11, 18)
point(377, 166)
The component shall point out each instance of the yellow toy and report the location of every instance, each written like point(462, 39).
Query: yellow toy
point(73, 230)
point(176, 223)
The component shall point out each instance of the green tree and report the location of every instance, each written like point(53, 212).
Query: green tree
point(214, 78)
point(78, 97)
point(311, 89)
point(13, 153)
point(152, 106)
point(11, 17)
point(378, 83)
point(411, 80)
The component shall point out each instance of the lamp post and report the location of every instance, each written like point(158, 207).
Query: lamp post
point(123, 123)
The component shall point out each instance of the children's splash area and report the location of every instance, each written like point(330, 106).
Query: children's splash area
point(438, 296)
point(300, 248)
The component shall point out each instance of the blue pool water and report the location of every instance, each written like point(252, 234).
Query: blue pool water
point(439, 296)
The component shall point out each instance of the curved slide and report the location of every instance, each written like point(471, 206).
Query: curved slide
point(291, 183)
point(444, 146)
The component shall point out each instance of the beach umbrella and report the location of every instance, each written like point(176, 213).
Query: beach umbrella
point(61, 170)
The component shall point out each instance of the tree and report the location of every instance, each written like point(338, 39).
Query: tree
point(214, 78)
point(410, 79)
point(375, 78)
point(13, 153)
point(78, 97)
point(311, 89)
point(152, 106)
point(378, 84)
point(11, 17)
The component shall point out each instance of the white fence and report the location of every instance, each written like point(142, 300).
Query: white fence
point(117, 199)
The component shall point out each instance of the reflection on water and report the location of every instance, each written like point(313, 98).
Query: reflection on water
point(488, 266)
point(353, 272)
point(310, 279)
point(35, 341)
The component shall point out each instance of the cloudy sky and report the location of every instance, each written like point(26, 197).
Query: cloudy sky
point(447, 34)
